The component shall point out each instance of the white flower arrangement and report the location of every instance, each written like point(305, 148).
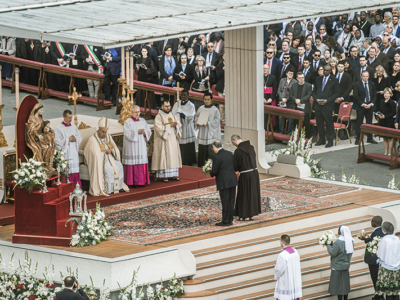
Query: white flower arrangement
point(392, 183)
point(328, 238)
point(60, 161)
point(351, 178)
point(333, 178)
point(30, 174)
point(372, 246)
point(208, 166)
point(91, 229)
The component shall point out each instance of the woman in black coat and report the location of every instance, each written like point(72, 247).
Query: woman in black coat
point(220, 71)
point(144, 69)
point(201, 79)
point(381, 81)
point(388, 111)
point(167, 68)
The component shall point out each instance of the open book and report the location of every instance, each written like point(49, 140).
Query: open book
point(203, 117)
point(181, 74)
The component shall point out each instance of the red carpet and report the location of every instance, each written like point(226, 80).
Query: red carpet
point(191, 178)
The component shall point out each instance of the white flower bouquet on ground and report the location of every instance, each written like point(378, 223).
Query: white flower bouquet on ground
point(328, 238)
point(372, 246)
point(208, 166)
point(30, 174)
point(91, 229)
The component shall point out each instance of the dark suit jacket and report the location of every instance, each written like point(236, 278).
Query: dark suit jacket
point(397, 120)
point(281, 86)
point(97, 51)
point(173, 42)
point(357, 73)
point(384, 59)
point(368, 258)
point(156, 62)
point(390, 54)
point(275, 63)
point(359, 94)
point(279, 74)
point(55, 54)
point(214, 62)
point(184, 83)
point(220, 72)
point(223, 170)
point(115, 63)
point(375, 63)
point(309, 75)
point(305, 95)
point(321, 63)
point(199, 50)
point(67, 294)
point(346, 85)
point(330, 93)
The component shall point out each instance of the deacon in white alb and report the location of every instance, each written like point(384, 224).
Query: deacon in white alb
point(208, 121)
point(185, 111)
point(287, 272)
point(103, 158)
point(68, 139)
point(134, 153)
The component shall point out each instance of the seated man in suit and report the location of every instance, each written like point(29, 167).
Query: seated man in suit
point(363, 67)
point(300, 94)
point(364, 97)
point(308, 71)
point(185, 80)
point(326, 90)
point(72, 291)
point(225, 176)
point(272, 61)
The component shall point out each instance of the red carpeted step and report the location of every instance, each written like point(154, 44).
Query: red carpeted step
point(65, 229)
point(60, 206)
point(41, 240)
point(63, 189)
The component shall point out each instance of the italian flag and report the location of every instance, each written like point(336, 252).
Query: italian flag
point(60, 48)
point(94, 58)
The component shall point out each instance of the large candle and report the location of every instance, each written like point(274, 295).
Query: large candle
point(1, 89)
point(16, 87)
point(131, 75)
point(123, 62)
point(127, 68)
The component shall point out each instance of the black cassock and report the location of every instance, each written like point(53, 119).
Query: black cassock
point(248, 199)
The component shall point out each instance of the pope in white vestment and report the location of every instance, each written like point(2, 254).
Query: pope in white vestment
point(288, 274)
point(102, 157)
point(185, 111)
point(166, 159)
point(208, 132)
point(68, 139)
point(134, 152)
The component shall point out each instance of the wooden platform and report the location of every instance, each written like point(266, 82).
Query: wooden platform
point(112, 249)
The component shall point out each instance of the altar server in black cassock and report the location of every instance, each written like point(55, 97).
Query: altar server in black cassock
point(248, 199)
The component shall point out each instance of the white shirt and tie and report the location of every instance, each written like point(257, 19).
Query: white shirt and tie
point(208, 61)
point(305, 71)
point(183, 68)
point(339, 76)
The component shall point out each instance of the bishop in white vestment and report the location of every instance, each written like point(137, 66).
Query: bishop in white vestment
point(134, 152)
point(166, 159)
point(287, 272)
point(102, 156)
point(68, 139)
point(209, 131)
point(185, 111)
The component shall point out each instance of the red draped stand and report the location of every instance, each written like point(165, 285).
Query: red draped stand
point(40, 219)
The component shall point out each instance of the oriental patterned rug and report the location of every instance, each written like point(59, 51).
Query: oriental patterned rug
point(180, 215)
point(305, 187)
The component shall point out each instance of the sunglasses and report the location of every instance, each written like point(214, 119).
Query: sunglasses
point(271, 44)
point(316, 55)
point(270, 52)
point(210, 46)
point(286, 58)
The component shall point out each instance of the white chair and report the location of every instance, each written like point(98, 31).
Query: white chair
point(83, 168)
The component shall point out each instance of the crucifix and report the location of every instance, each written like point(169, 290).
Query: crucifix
point(32, 45)
point(178, 89)
point(75, 97)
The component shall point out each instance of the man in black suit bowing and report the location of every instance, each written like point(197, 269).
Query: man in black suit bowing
point(326, 90)
point(370, 259)
point(72, 291)
point(364, 97)
point(225, 176)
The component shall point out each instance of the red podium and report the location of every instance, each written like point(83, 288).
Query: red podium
point(39, 217)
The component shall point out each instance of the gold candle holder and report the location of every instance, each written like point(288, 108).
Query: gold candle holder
point(3, 141)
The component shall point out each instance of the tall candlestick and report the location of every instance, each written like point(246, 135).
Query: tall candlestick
point(16, 87)
point(131, 75)
point(123, 62)
point(127, 68)
point(1, 88)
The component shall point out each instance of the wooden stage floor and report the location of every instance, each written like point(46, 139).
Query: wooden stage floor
point(112, 249)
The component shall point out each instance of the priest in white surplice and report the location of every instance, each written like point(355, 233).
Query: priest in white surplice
point(134, 152)
point(287, 272)
point(68, 139)
point(102, 156)
point(209, 130)
point(185, 111)
point(166, 159)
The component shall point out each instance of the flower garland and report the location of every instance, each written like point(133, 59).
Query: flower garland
point(30, 175)
point(91, 229)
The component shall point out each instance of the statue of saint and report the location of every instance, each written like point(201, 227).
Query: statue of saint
point(40, 138)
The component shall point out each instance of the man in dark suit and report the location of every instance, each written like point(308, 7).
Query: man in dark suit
point(282, 68)
point(308, 47)
point(308, 71)
point(300, 94)
point(353, 58)
point(370, 259)
point(285, 50)
point(373, 60)
point(173, 42)
point(272, 61)
point(72, 291)
point(212, 60)
point(112, 70)
point(326, 90)
point(316, 60)
point(199, 45)
point(363, 67)
point(388, 50)
point(380, 56)
point(364, 97)
point(92, 63)
point(346, 85)
point(184, 80)
point(225, 176)
point(274, 38)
